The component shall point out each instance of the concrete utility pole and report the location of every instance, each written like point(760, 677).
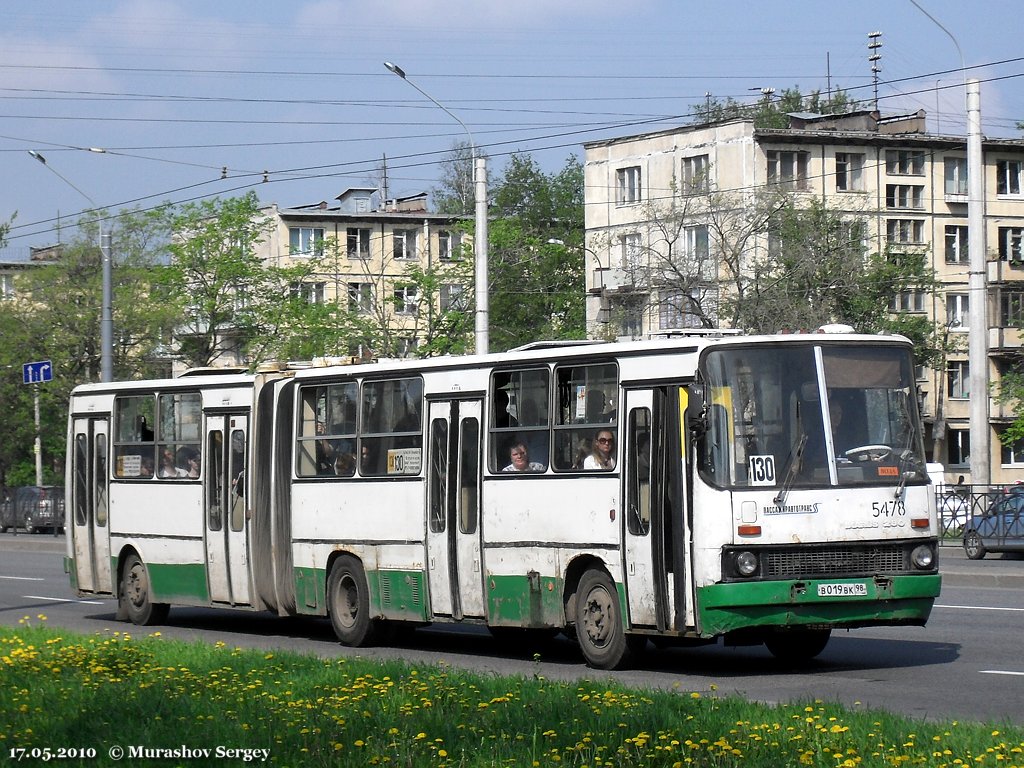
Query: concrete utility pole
point(480, 237)
point(977, 302)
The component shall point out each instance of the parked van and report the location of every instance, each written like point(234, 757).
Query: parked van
point(34, 508)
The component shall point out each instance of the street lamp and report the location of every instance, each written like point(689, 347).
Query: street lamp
point(480, 238)
point(106, 318)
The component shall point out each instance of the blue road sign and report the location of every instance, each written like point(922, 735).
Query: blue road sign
point(37, 372)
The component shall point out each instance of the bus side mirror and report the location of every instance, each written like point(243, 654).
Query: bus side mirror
point(696, 411)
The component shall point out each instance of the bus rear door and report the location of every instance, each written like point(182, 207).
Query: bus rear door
point(89, 506)
point(227, 521)
point(453, 509)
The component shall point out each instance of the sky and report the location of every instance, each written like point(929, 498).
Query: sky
point(191, 100)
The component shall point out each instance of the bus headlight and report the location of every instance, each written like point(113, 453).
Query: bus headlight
point(922, 557)
point(746, 563)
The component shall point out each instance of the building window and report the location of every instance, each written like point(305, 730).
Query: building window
point(1012, 453)
point(904, 162)
point(907, 301)
point(403, 243)
point(306, 241)
point(958, 448)
point(904, 196)
point(358, 242)
point(406, 299)
point(1011, 309)
point(631, 251)
point(675, 310)
point(957, 311)
point(958, 380)
point(695, 175)
point(360, 297)
point(448, 244)
point(849, 171)
point(907, 231)
point(1010, 240)
point(1008, 177)
point(313, 293)
point(628, 185)
point(956, 244)
point(453, 298)
point(788, 169)
point(956, 175)
point(694, 242)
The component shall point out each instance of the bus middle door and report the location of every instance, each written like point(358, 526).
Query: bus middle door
point(227, 523)
point(454, 569)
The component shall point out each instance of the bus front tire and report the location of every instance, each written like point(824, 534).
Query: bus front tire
point(599, 629)
point(797, 645)
point(134, 598)
point(348, 602)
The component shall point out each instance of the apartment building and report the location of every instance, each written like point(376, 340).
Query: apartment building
point(365, 254)
point(908, 185)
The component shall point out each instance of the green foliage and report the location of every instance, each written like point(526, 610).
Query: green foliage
point(773, 113)
point(65, 690)
point(536, 269)
point(455, 193)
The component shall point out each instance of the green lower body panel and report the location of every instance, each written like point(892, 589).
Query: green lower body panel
point(178, 583)
point(897, 600)
point(394, 594)
point(529, 600)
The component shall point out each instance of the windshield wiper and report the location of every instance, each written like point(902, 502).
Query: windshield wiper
point(796, 459)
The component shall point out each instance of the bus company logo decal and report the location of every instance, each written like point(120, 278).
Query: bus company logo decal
point(791, 509)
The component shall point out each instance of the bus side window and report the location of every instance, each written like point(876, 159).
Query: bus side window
point(518, 413)
point(638, 472)
point(134, 436)
point(585, 427)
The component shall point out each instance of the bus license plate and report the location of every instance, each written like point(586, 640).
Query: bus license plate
point(842, 590)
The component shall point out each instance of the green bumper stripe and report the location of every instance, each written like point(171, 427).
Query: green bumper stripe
point(394, 594)
point(900, 600)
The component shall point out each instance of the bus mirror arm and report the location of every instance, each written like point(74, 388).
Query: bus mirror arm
point(696, 412)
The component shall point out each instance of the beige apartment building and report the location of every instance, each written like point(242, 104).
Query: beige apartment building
point(366, 252)
point(910, 187)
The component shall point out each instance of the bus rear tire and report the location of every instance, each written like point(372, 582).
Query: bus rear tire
point(599, 629)
point(797, 645)
point(134, 595)
point(348, 603)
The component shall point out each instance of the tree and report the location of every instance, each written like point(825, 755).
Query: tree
point(456, 189)
point(55, 315)
point(536, 254)
point(227, 298)
point(773, 113)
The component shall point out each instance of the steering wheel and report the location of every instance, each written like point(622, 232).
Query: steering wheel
point(868, 452)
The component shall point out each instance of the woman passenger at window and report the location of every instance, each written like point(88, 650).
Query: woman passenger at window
point(602, 454)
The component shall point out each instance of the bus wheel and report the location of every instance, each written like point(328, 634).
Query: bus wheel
point(348, 602)
point(134, 596)
point(973, 547)
point(797, 645)
point(599, 621)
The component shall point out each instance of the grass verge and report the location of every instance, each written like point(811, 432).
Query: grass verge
point(154, 701)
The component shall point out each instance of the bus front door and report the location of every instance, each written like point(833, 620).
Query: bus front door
point(655, 503)
point(454, 571)
point(88, 506)
point(227, 521)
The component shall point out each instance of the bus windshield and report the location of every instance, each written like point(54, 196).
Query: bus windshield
point(811, 416)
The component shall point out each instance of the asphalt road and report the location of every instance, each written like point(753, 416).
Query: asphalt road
point(966, 664)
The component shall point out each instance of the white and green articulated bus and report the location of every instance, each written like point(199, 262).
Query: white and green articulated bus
point(760, 489)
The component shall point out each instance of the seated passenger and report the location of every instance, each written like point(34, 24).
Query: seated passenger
point(521, 460)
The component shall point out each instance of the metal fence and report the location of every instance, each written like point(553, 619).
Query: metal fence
point(964, 506)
